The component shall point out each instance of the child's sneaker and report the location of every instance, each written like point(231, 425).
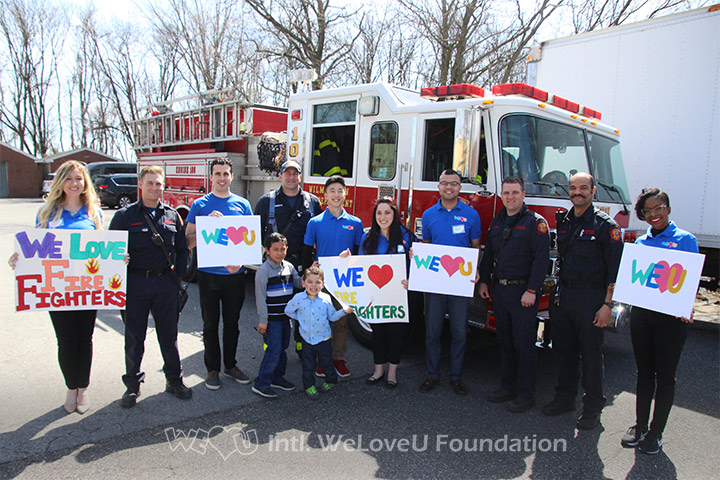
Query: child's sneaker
point(312, 393)
point(319, 372)
point(326, 387)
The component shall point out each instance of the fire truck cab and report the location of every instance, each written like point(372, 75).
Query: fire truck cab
point(390, 141)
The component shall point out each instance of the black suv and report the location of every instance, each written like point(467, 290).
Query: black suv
point(119, 190)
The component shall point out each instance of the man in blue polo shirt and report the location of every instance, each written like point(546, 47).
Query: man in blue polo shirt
point(449, 222)
point(218, 285)
point(333, 232)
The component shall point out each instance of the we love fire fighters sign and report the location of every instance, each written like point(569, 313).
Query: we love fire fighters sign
point(70, 270)
point(369, 284)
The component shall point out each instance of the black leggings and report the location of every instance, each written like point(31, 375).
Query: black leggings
point(387, 342)
point(74, 331)
point(658, 341)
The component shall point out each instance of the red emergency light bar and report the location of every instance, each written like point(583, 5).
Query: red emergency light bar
point(589, 112)
point(565, 104)
point(520, 89)
point(543, 96)
point(461, 90)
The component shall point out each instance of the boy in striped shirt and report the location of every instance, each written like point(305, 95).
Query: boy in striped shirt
point(274, 284)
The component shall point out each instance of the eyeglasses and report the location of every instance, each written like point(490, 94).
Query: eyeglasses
point(653, 211)
point(451, 184)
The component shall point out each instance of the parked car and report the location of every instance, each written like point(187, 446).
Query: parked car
point(119, 190)
point(47, 183)
point(109, 168)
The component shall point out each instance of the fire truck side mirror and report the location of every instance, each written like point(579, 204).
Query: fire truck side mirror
point(466, 146)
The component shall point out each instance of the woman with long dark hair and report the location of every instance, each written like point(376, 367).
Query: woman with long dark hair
point(72, 204)
point(657, 338)
point(386, 236)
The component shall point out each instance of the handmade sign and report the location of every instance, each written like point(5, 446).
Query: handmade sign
point(369, 284)
point(70, 270)
point(228, 240)
point(658, 279)
point(443, 269)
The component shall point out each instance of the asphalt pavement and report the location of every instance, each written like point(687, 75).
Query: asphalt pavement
point(355, 431)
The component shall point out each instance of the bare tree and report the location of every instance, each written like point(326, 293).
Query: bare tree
point(33, 33)
point(206, 38)
point(82, 82)
point(366, 57)
point(308, 34)
point(512, 48)
point(590, 15)
point(454, 31)
point(118, 62)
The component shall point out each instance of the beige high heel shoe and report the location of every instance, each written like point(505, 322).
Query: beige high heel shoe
point(83, 400)
point(71, 401)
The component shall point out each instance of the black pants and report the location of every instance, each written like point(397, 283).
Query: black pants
point(576, 342)
point(658, 340)
point(158, 295)
point(74, 331)
point(313, 355)
point(387, 342)
point(516, 331)
point(228, 290)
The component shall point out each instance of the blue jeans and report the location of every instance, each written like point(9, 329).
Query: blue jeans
point(436, 306)
point(323, 352)
point(274, 361)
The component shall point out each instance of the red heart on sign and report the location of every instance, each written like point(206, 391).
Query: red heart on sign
point(236, 234)
point(380, 276)
point(451, 265)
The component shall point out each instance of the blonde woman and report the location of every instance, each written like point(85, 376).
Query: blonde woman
point(72, 204)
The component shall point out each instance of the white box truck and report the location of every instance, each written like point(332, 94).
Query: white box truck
point(658, 82)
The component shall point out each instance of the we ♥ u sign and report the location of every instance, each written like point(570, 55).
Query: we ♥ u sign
point(228, 240)
point(370, 284)
point(443, 269)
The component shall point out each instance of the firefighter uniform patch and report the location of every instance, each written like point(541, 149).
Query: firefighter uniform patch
point(615, 235)
point(542, 227)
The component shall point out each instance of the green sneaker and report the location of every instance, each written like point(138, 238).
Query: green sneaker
point(312, 393)
point(326, 387)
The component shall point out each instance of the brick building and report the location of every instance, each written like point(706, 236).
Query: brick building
point(87, 155)
point(20, 175)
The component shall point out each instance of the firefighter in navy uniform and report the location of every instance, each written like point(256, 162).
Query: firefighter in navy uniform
point(514, 262)
point(287, 211)
point(589, 248)
point(150, 284)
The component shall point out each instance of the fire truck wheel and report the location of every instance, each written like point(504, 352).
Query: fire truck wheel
point(191, 270)
point(360, 330)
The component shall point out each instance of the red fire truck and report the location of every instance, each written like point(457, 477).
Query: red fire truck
point(391, 141)
point(185, 142)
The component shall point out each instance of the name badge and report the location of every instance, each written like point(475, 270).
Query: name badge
point(458, 229)
point(400, 249)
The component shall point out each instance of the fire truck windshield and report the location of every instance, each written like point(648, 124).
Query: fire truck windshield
point(547, 153)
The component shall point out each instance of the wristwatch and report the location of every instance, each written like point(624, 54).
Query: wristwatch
point(610, 305)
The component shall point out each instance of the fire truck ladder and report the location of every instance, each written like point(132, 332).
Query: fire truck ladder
point(221, 121)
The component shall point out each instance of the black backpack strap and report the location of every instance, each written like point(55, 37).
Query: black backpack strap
point(271, 212)
point(162, 247)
